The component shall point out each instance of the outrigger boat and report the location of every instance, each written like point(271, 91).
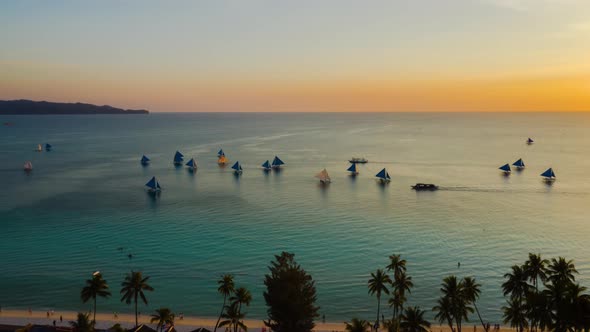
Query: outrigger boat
point(506, 169)
point(48, 147)
point(383, 176)
point(39, 148)
point(153, 185)
point(266, 166)
point(355, 160)
point(549, 175)
point(424, 186)
point(529, 141)
point(237, 168)
point(178, 159)
point(352, 169)
point(192, 165)
point(277, 162)
point(519, 164)
point(28, 166)
point(323, 176)
point(145, 160)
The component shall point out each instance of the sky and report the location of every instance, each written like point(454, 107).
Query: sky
point(299, 56)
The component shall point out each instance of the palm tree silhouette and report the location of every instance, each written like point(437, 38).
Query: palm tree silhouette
point(226, 288)
point(163, 316)
point(95, 287)
point(357, 325)
point(82, 323)
point(233, 318)
point(133, 287)
point(377, 285)
point(412, 320)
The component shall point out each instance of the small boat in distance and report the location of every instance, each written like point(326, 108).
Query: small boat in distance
point(383, 176)
point(48, 147)
point(237, 167)
point(519, 164)
point(355, 160)
point(153, 185)
point(352, 169)
point(222, 160)
point(529, 141)
point(506, 169)
point(266, 166)
point(549, 175)
point(192, 165)
point(178, 159)
point(424, 186)
point(220, 153)
point(323, 176)
point(277, 162)
point(145, 160)
point(28, 166)
point(39, 148)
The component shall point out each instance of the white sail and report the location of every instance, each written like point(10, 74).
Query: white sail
point(28, 166)
point(323, 176)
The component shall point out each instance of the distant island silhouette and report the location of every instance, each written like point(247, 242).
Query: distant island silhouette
point(30, 107)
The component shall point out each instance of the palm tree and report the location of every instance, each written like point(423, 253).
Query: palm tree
point(226, 288)
point(233, 318)
point(397, 302)
point(454, 304)
point(561, 270)
point(377, 285)
point(95, 287)
point(241, 296)
point(82, 323)
point(516, 285)
point(515, 314)
point(444, 311)
point(396, 264)
point(412, 320)
point(401, 284)
point(534, 269)
point(133, 286)
point(357, 325)
point(471, 292)
point(163, 316)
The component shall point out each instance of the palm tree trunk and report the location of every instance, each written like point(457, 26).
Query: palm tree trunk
point(478, 315)
point(378, 307)
point(94, 319)
point(221, 313)
point(136, 310)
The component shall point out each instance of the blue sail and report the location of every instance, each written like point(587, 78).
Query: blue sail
point(266, 164)
point(153, 183)
point(237, 166)
point(383, 174)
point(548, 173)
point(530, 140)
point(277, 162)
point(518, 163)
point(178, 156)
point(220, 153)
point(144, 159)
point(505, 168)
point(48, 146)
point(191, 163)
point(352, 168)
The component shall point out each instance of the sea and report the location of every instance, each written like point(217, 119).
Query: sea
point(84, 207)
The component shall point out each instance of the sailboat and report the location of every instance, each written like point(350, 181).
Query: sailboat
point(352, 169)
point(266, 166)
point(383, 176)
point(220, 153)
point(323, 176)
point(505, 169)
point(276, 163)
point(48, 147)
point(519, 164)
point(529, 141)
point(153, 185)
point(28, 166)
point(178, 158)
point(548, 175)
point(39, 148)
point(192, 165)
point(145, 160)
point(222, 160)
point(237, 168)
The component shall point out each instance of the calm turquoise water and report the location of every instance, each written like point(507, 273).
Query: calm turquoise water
point(86, 198)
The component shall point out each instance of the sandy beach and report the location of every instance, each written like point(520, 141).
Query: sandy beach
point(104, 320)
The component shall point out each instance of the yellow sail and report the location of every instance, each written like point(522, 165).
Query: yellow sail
point(222, 160)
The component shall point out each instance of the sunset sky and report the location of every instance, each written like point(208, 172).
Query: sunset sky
point(328, 55)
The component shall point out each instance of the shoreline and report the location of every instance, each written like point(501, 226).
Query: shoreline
point(189, 323)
